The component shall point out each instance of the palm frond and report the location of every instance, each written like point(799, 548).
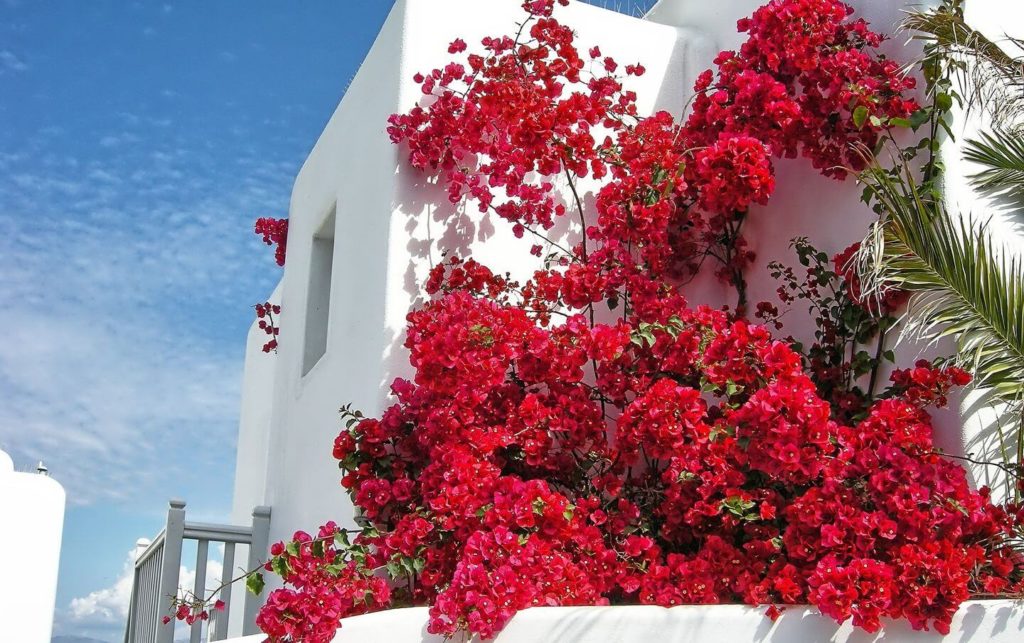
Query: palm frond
point(1002, 155)
point(964, 287)
point(992, 78)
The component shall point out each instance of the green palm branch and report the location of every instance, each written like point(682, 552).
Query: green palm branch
point(1002, 155)
point(991, 77)
point(964, 287)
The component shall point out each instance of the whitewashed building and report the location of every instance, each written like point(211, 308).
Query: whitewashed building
point(365, 228)
point(31, 527)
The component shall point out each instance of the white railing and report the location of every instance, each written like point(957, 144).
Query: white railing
point(157, 568)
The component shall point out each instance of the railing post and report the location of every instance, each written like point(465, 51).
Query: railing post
point(133, 610)
point(258, 549)
point(170, 567)
point(222, 619)
point(199, 587)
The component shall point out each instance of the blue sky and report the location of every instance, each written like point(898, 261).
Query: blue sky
point(139, 142)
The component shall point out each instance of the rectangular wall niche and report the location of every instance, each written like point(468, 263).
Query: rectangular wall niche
point(318, 296)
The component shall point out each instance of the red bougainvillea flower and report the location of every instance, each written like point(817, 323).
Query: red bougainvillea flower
point(274, 233)
point(892, 298)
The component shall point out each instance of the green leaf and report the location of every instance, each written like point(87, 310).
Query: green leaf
point(292, 548)
point(538, 506)
point(860, 116)
point(717, 432)
point(959, 56)
point(737, 506)
point(394, 569)
point(919, 118)
point(341, 540)
point(279, 565)
point(686, 476)
point(254, 583)
point(362, 521)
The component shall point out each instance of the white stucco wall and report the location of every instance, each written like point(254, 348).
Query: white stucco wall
point(391, 225)
point(1003, 215)
point(31, 525)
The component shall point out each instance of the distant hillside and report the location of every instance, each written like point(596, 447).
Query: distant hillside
point(64, 638)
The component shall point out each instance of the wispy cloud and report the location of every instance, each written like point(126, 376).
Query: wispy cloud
point(10, 61)
point(118, 275)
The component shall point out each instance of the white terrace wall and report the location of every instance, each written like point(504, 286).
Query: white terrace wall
point(976, 622)
point(31, 526)
point(365, 229)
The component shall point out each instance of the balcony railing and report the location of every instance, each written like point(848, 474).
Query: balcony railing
point(156, 579)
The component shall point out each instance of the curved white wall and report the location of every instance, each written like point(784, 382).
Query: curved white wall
point(31, 524)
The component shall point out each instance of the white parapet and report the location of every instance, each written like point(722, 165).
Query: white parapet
point(31, 525)
point(990, 621)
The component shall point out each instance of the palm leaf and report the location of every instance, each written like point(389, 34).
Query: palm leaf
point(991, 77)
point(1002, 154)
point(964, 288)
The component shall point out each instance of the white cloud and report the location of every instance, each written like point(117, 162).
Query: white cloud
point(118, 276)
point(119, 139)
point(105, 610)
point(10, 61)
point(105, 606)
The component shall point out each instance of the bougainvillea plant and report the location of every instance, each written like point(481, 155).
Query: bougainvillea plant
point(274, 233)
point(846, 323)
point(585, 437)
point(265, 320)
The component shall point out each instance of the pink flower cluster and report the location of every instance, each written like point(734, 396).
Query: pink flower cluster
point(265, 315)
point(274, 233)
point(327, 588)
point(700, 467)
point(891, 300)
point(795, 84)
point(191, 609)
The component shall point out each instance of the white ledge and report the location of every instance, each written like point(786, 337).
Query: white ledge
point(999, 621)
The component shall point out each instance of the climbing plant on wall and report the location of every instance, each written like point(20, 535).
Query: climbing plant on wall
point(585, 436)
